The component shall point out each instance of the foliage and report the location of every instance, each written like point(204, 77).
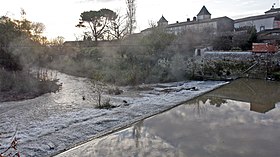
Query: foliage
point(118, 29)
point(134, 60)
point(97, 21)
point(157, 41)
point(20, 42)
point(244, 39)
point(140, 56)
point(99, 89)
point(225, 68)
point(8, 31)
point(22, 47)
point(9, 61)
point(276, 75)
point(115, 91)
point(21, 85)
point(105, 105)
point(223, 42)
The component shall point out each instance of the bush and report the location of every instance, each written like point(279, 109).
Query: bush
point(115, 91)
point(22, 85)
point(8, 61)
point(105, 105)
point(276, 75)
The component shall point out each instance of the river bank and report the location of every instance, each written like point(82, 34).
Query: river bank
point(23, 85)
point(230, 65)
point(14, 95)
point(54, 122)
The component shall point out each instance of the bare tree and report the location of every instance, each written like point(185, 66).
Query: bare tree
point(131, 19)
point(118, 28)
point(152, 24)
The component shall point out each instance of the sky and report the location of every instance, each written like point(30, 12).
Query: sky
point(61, 16)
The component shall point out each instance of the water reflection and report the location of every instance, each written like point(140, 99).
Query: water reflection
point(262, 95)
point(136, 132)
point(226, 122)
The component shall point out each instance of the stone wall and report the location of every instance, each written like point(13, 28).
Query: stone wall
point(231, 65)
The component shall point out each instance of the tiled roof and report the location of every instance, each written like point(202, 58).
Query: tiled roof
point(203, 11)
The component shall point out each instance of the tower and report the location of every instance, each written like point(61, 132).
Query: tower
point(162, 22)
point(203, 14)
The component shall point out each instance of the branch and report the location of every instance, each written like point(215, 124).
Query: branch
point(100, 32)
point(13, 145)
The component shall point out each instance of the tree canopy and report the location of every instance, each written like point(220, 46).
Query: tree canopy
point(19, 39)
point(97, 21)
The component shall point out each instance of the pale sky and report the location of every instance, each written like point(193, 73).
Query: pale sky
point(61, 16)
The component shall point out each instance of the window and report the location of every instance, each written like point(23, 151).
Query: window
point(262, 28)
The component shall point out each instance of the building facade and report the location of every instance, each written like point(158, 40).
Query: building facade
point(199, 23)
point(270, 20)
point(216, 25)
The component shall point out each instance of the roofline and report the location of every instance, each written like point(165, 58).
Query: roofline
point(273, 10)
point(200, 12)
point(256, 17)
point(162, 19)
point(196, 22)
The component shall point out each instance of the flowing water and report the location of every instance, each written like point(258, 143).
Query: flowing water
point(54, 122)
point(239, 119)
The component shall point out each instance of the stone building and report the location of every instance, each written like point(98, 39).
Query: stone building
point(199, 23)
point(203, 14)
point(162, 22)
point(268, 21)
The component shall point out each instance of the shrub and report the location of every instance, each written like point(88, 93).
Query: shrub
point(115, 91)
point(21, 85)
point(105, 105)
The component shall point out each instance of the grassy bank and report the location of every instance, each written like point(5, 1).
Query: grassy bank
point(22, 85)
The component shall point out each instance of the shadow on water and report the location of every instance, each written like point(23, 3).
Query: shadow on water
point(239, 119)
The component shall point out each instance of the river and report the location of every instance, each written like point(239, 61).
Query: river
point(239, 119)
point(55, 122)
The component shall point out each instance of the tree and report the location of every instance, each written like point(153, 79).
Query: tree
point(152, 24)
point(8, 31)
point(118, 27)
point(37, 30)
point(244, 37)
point(222, 42)
point(58, 41)
point(20, 42)
point(32, 30)
point(131, 11)
point(97, 21)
